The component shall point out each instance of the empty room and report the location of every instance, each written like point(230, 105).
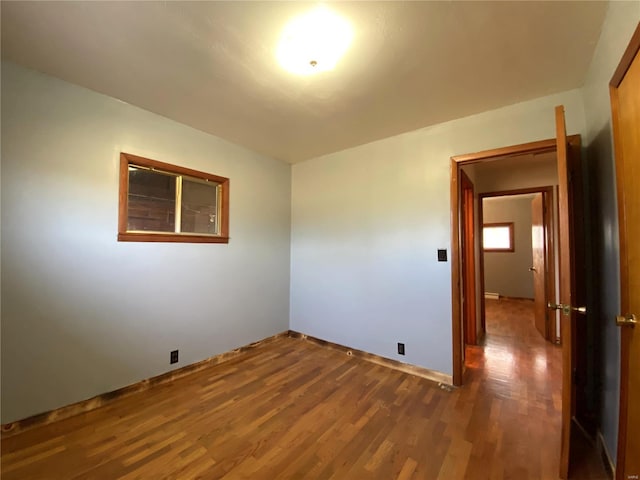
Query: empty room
point(252, 240)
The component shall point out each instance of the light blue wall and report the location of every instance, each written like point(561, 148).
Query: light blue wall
point(621, 20)
point(83, 314)
point(366, 224)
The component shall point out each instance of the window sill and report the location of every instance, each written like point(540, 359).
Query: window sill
point(159, 237)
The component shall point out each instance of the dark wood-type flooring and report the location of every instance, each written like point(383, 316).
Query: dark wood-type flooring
point(294, 409)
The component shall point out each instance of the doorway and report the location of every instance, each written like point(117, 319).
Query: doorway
point(571, 255)
point(495, 164)
point(517, 248)
point(520, 170)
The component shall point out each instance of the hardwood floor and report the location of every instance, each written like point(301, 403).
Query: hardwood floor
point(511, 331)
point(293, 409)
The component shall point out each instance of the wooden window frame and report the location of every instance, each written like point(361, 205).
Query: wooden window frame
point(511, 248)
point(127, 159)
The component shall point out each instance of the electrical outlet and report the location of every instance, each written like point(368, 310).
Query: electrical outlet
point(174, 357)
point(400, 348)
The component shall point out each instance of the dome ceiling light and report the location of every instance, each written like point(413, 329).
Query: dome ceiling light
point(314, 42)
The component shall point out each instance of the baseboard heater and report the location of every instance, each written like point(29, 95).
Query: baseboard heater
point(492, 296)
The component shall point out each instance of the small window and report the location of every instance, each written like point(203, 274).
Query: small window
point(160, 202)
point(497, 237)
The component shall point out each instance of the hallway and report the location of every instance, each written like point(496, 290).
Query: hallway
point(521, 372)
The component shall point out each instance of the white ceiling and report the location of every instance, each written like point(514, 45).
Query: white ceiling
point(211, 65)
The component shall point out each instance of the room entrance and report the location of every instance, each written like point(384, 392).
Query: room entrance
point(571, 255)
point(518, 255)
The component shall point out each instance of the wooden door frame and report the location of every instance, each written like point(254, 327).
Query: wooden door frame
point(470, 326)
point(550, 274)
point(625, 336)
point(456, 248)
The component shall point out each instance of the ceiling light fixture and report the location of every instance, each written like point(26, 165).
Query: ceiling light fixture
point(314, 42)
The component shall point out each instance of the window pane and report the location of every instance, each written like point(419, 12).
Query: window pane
point(152, 201)
point(497, 238)
point(199, 207)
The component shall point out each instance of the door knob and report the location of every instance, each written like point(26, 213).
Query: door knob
point(532, 269)
point(566, 309)
point(628, 320)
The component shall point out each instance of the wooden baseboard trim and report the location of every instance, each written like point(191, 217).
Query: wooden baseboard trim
point(504, 297)
point(84, 406)
point(432, 375)
point(609, 467)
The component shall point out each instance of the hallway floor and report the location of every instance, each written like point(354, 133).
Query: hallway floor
point(522, 372)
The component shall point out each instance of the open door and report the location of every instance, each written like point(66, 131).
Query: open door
point(625, 106)
point(571, 277)
point(538, 268)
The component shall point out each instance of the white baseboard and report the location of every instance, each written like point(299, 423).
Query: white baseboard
point(492, 296)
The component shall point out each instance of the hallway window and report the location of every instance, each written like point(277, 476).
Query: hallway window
point(497, 237)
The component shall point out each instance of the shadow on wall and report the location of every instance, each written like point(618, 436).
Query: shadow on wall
point(603, 287)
